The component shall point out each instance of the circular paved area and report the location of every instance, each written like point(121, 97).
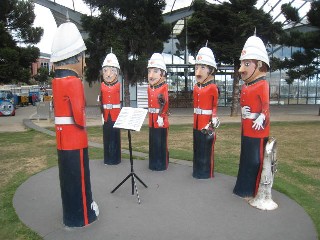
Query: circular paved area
point(174, 206)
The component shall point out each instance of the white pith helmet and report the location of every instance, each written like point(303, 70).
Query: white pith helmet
point(254, 48)
point(111, 61)
point(67, 42)
point(157, 61)
point(205, 56)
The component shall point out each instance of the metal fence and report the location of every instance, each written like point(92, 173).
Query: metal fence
point(306, 91)
point(181, 80)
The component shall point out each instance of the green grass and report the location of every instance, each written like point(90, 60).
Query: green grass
point(11, 227)
point(27, 153)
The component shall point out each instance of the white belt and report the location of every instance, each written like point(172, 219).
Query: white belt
point(110, 106)
point(250, 116)
point(63, 120)
point(154, 110)
point(202, 111)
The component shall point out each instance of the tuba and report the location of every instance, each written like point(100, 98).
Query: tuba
point(263, 199)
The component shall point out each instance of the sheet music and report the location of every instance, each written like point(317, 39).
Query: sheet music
point(131, 118)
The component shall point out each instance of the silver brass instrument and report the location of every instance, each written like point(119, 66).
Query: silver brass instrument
point(263, 199)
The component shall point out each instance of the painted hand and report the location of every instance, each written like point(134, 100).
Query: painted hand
point(215, 122)
point(95, 208)
point(245, 112)
point(258, 123)
point(160, 121)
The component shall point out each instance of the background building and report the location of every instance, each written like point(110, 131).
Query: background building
point(43, 61)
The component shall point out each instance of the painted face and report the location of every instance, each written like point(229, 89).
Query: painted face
point(248, 70)
point(154, 76)
point(109, 74)
point(202, 73)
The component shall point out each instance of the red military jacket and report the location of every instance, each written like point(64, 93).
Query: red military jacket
point(110, 95)
point(69, 102)
point(256, 95)
point(153, 93)
point(205, 97)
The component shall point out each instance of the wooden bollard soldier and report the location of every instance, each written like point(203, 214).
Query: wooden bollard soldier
point(205, 120)
point(110, 109)
point(255, 116)
point(68, 57)
point(158, 104)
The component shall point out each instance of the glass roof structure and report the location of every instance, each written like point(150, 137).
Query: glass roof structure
point(173, 6)
point(273, 7)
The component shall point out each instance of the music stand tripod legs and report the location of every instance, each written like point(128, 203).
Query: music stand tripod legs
point(131, 174)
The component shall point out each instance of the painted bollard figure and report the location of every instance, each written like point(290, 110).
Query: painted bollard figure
point(255, 116)
point(158, 104)
point(110, 109)
point(68, 58)
point(205, 120)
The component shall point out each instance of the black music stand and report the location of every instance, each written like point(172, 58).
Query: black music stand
point(131, 119)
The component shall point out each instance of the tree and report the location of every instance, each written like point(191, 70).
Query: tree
point(43, 75)
point(303, 63)
point(16, 19)
point(226, 27)
point(133, 29)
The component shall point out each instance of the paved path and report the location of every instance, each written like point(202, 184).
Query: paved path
point(174, 206)
point(15, 123)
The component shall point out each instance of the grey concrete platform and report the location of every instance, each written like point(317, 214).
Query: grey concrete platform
point(174, 206)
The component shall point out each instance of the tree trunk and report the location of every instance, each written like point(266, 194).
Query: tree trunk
point(235, 93)
point(126, 90)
